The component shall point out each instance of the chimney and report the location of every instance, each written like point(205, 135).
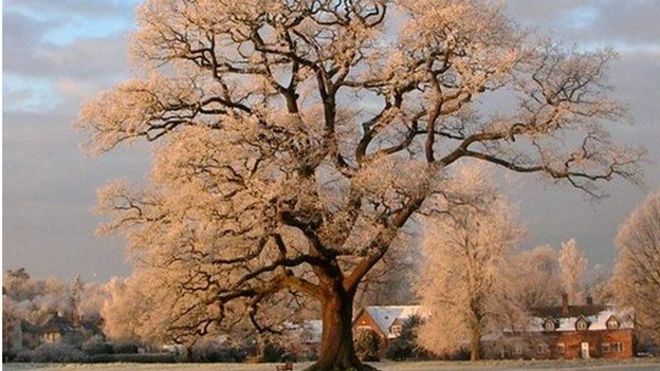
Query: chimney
point(564, 304)
point(590, 300)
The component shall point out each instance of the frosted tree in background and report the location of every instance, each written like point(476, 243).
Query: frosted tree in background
point(536, 277)
point(572, 265)
point(293, 140)
point(463, 282)
point(636, 279)
point(599, 285)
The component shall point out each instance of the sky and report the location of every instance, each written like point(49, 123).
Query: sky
point(57, 54)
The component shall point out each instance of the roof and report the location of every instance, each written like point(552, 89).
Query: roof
point(58, 324)
point(597, 320)
point(385, 315)
point(27, 327)
point(573, 311)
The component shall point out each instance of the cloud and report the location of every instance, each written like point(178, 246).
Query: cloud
point(48, 42)
point(629, 26)
point(69, 8)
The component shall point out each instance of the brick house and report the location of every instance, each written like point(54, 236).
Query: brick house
point(568, 332)
point(386, 320)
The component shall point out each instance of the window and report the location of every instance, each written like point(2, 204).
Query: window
point(52, 337)
point(561, 348)
point(581, 324)
point(542, 348)
point(617, 347)
point(395, 330)
point(612, 323)
point(363, 327)
point(605, 347)
point(549, 325)
point(518, 349)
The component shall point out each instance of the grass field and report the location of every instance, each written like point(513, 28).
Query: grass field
point(634, 364)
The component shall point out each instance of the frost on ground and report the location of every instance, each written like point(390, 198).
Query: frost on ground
point(634, 364)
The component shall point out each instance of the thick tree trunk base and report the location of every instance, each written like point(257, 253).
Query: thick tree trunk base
point(336, 352)
point(340, 366)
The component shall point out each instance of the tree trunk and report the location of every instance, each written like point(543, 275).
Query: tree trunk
point(475, 344)
point(336, 351)
point(188, 356)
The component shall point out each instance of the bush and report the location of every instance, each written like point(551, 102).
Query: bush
point(96, 345)
point(124, 348)
point(272, 353)
point(212, 351)
point(367, 345)
point(226, 355)
point(134, 358)
point(59, 353)
point(405, 346)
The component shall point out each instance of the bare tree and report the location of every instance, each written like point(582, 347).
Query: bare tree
point(572, 265)
point(636, 279)
point(463, 279)
point(296, 138)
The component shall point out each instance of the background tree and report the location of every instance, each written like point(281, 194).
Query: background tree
point(572, 265)
point(391, 281)
point(636, 279)
point(535, 277)
point(463, 279)
point(295, 139)
point(126, 312)
point(599, 284)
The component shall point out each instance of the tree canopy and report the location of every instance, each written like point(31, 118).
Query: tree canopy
point(294, 139)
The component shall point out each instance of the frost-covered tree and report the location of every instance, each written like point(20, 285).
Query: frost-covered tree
point(572, 265)
point(295, 139)
point(463, 282)
point(637, 271)
point(127, 310)
point(599, 286)
point(536, 278)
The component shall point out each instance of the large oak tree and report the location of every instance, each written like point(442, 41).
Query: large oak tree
point(295, 139)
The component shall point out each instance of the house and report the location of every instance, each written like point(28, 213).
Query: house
point(568, 332)
point(386, 320)
point(59, 329)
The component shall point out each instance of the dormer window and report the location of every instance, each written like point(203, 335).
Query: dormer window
point(581, 324)
point(612, 323)
point(549, 325)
